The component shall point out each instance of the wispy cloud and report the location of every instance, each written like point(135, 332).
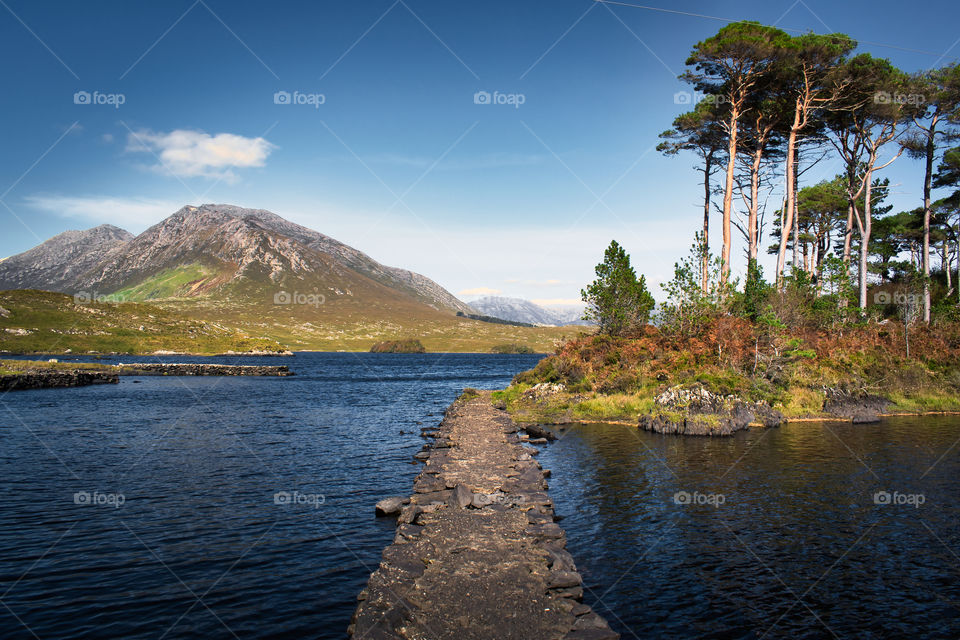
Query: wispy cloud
point(187, 154)
point(129, 213)
point(479, 291)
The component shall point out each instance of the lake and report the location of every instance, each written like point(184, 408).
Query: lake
point(221, 507)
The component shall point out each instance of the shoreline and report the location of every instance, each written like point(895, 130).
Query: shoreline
point(46, 374)
point(757, 425)
point(289, 354)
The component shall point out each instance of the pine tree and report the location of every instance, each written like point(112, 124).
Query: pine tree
point(617, 300)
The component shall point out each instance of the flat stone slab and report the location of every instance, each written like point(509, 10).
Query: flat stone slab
point(487, 561)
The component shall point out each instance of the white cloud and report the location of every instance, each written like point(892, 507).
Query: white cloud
point(479, 291)
point(188, 154)
point(133, 214)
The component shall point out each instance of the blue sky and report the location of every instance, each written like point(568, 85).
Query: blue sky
point(382, 143)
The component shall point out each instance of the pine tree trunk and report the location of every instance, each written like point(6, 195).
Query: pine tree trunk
point(927, 178)
point(754, 203)
point(851, 214)
point(865, 237)
point(848, 235)
point(705, 248)
point(947, 259)
point(788, 201)
point(728, 196)
point(796, 217)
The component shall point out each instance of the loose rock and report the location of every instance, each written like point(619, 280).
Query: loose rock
point(389, 506)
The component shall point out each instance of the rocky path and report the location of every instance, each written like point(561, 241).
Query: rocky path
point(54, 379)
point(179, 369)
point(477, 554)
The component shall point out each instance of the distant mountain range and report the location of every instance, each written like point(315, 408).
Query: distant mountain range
point(247, 272)
point(520, 310)
point(215, 249)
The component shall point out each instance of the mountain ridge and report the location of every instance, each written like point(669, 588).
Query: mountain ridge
point(223, 245)
point(61, 259)
point(521, 310)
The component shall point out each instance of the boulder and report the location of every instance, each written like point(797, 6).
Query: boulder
point(390, 506)
point(481, 500)
point(860, 408)
point(461, 497)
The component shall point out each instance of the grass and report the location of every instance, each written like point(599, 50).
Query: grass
point(344, 323)
point(46, 322)
point(934, 401)
point(15, 367)
point(511, 348)
point(469, 393)
point(618, 406)
point(165, 284)
point(800, 402)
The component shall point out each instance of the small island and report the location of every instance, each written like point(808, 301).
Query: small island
point(511, 348)
point(398, 346)
point(718, 360)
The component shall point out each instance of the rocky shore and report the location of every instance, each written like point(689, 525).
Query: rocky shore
point(477, 554)
point(689, 409)
point(696, 411)
point(181, 369)
point(55, 379)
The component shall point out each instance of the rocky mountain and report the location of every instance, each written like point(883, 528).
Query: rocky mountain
point(217, 249)
point(520, 310)
point(569, 314)
point(60, 262)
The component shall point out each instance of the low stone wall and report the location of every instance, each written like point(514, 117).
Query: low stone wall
point(477, 554)
point(55, 379)
point(172, 369)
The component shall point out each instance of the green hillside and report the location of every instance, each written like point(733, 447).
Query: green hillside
point(45, 322)
point(244, 318)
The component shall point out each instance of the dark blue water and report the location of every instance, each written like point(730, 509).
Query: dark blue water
point(199, 547)
point(767, 534)
point(783, 538)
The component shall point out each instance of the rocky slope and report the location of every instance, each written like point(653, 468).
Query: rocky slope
point(60, 262)
point(215, 249)
point(520, 310)
point(515, 310)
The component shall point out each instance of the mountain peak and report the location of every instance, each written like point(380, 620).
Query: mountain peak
point(61, 260)
point(520, 310)
point(209, 248)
